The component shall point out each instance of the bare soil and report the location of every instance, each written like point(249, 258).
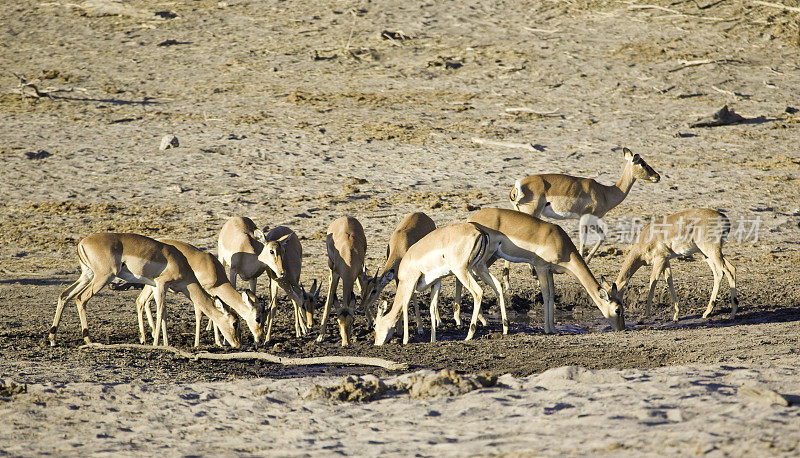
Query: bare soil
point(295, 113)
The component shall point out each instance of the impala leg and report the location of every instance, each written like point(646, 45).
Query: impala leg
point(159, 294)
point(545, 282)
point(506, 276)
point(658, 268)
point(494, 283)
point(217, 337)
point(232, 277)
point(333, 283)
point(143, 308)
point(435, 288)
point(457, 304)
point(70, 292)
point(273, 292)
point(596, 245)
point(583, 231)
point(730, 272)
point(551, 303)
point(346, 314)
point(477, 295)
point(297, 303)
point(418, 316)
point(86, 293)
point(716, 269)
point(671, 285)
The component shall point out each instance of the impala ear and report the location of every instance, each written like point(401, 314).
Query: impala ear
point(628, 153)
point(259, 235)
point(603, 294)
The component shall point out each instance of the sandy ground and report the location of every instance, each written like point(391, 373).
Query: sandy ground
point(296, 113)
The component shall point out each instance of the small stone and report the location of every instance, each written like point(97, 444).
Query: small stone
point(169, 141)
point(175, 188)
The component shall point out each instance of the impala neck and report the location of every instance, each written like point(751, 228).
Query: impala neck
point(620, 190)
point(228, 294)
point(578, 268)
point(632, 263)
point(203, 301)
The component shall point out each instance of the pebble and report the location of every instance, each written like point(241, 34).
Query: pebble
point(169, 141)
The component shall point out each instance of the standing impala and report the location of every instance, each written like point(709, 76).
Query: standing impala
point(463, 250)
point(547, 248)
point(211, 276)
point(681, 234)
point(240, 247)
point(560, 196)
point(249, 253)
point(138, 259)
point(346, 245)
point(283, 248)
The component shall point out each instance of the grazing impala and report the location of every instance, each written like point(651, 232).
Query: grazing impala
point(138, 259)
point(547, 248)
point(346, 245)
point(461, 249)
point(681, 234)
point(411, 229)
point(211, 276)
point(249, 253)
point(560, 196)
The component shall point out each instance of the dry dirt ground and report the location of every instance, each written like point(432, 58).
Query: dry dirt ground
point(295, 113)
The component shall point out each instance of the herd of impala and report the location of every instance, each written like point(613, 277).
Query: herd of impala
point(418, 256)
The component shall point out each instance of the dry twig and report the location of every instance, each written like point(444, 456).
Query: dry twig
point(245, 355)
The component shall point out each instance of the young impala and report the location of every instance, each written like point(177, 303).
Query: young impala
point(681, 234)
point(138, 259)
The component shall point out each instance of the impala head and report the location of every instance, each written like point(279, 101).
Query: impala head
point(373, 287)
point(272, 254)
point(228, 324)
point(310, 301)
point(641, 171)
point(612, 306)
point(384, 329)
point(257, 316)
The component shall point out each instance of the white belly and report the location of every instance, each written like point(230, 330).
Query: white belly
point(430, 277)
point(129, 277)
point(548, 212)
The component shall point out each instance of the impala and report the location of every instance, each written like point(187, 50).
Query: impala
point(211, 276)
point(681, 234)
point(461, 249)
point(560, 196)
point(138, 259)
point(346, 246)
point(411, 229)
point(249, 253)
point(282, 247)
point(547, 248)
